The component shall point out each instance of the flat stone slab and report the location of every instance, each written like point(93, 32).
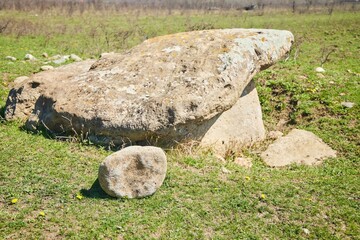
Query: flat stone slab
point(165, 90)
point(241, 125)
point(300, 147)
point(133, 172)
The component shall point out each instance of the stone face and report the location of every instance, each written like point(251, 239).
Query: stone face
point(300, 147)
point(240, 125)
point(165, 90)
point(133, 172)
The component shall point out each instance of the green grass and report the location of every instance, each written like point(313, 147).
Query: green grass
point(197, 200)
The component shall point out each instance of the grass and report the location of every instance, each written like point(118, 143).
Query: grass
point(197, 200)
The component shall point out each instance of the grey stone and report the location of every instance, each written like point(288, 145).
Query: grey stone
point(239, 126)
point(30, 57)
point(319, 70)
point(133, 172)
point(11, 58)
point(300, 147)
point(46, 68)
point(348, 104)
point(55, 57)
point(24, 98)
point(167, 89)
point(60, 60)
point(75, 58)
point(306, 231)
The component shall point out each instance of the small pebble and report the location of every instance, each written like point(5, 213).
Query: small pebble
point(46, 67)
point(320, 70)
point(348, 104)
point(11, 58)
point(306, 231)
point(75, 58)
point(30, 57)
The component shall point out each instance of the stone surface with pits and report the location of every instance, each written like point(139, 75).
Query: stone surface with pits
point(133, 172)
point(167, 89)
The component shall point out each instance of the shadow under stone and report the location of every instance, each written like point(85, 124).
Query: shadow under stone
point(2, 112)
point(95, 191)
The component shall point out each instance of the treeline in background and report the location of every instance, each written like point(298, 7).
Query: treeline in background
point(71, 6)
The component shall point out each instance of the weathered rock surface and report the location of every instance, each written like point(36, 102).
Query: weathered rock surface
point(167, 89)
point(133, 172)
point(240, 125)
point(300, 147)
point(24, 99)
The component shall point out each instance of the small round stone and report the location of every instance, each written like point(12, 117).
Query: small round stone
point(133, 172)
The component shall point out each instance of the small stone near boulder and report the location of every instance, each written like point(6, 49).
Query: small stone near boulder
point(11, 58)
point(243, 162)
point(55, 57)
point(299, 146)
point(46, 68)
point(133, 172)
point(348, 104)
point(76, 58)
point(45, 55)
point(319, 70)
point(30, 57)
point(61, 60)
point(20, 80)
point(275, 134)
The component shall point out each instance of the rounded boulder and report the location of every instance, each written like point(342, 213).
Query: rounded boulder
point(133, 172)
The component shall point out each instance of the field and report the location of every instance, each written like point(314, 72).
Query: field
point(48, 188)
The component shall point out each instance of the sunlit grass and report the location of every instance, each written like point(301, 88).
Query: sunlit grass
point(48, 188)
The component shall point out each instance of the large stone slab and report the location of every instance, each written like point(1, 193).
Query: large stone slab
point(165, 90)
point(299, 147)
